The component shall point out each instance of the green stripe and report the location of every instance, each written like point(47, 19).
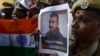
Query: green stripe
point(74, 1)
point(17, 51)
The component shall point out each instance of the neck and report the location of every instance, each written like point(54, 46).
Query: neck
point(54, 32)
point(83, 45)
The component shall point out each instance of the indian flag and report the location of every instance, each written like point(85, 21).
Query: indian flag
point(17, 37)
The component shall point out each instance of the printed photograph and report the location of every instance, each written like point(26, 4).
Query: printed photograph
point(53, 27)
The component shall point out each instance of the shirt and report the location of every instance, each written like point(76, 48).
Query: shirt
point(93, 50)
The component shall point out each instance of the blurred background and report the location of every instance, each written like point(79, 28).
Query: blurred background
point(27, 8)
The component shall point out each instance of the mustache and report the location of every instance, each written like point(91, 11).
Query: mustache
point(50, 26)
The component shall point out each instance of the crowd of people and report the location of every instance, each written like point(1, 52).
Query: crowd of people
point(85, 26)
point(19, 10)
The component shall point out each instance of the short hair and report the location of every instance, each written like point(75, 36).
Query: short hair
point(54, 14)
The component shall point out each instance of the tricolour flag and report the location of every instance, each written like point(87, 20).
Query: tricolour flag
point(16, 37)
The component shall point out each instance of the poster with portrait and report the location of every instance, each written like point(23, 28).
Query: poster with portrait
point(53, 25)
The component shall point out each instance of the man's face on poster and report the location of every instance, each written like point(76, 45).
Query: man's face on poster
point(53, 23)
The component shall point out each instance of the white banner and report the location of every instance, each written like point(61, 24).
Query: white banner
point(53, 25)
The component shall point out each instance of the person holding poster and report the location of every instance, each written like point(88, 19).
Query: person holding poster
point(86, 28)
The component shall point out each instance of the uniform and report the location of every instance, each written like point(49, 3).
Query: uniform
point(58, 35)
point(94, 48)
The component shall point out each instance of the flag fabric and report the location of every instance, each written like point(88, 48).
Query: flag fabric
point(16, 37)
point(74, 1)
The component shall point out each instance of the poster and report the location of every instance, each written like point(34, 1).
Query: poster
point(53, 25)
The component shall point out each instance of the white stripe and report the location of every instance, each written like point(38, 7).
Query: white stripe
point(16, 41)
point(4, 40)
point(28, 40)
